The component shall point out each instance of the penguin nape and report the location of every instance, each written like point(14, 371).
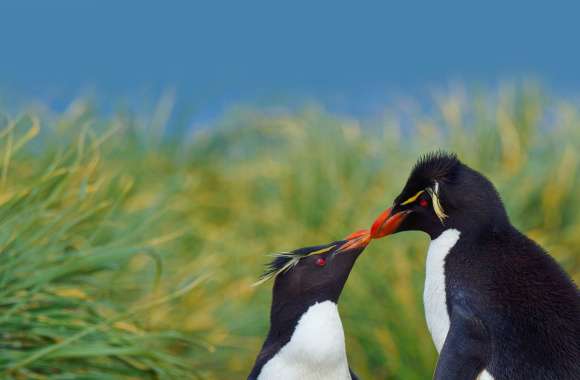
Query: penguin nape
point(306, 338)
point(496, 304)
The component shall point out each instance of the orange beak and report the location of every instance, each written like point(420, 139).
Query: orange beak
point(384, 225)
point(387, 224)
point(358, 239)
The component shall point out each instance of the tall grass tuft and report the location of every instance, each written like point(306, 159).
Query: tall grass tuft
point(66, 244)
point(109, 226)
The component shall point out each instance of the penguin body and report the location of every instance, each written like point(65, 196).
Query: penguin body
point(496, 304)
point(316, 349)
point(519, 304)
point(306, 337)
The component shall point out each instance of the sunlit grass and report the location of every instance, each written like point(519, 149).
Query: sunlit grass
point(107, 228)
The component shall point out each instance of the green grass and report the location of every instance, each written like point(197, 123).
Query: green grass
point(128, 253)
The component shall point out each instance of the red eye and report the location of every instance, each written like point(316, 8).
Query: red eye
point(321, 261)
point(423, 202)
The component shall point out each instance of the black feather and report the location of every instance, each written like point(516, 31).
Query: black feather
point(437, 166)
point(282, 260)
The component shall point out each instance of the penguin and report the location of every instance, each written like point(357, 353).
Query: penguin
point(306, 338)
point(497, 305)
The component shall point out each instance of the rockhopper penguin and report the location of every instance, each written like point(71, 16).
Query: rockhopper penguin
point(497, 305)
point(306, 339)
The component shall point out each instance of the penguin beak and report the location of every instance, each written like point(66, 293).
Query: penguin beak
point(357, 240)
point(388, 222)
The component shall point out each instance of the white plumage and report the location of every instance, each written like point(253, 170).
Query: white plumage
point(434, 296)
point(316, 350)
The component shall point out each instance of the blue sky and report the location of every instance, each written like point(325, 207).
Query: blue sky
point(216, 52)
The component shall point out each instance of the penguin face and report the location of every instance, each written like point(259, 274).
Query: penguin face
point(442, 193)
point(318, 277)
point(312, 274)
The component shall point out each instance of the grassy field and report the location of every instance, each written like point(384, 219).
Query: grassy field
point(127, 252)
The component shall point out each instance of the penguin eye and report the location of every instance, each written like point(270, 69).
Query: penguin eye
point(320, 262)
point(423, 202)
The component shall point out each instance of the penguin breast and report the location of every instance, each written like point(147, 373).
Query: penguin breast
point(316, 349)
point(434, 293)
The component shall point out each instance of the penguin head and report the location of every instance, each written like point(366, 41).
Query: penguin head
point(440, 193)
point(309, 275)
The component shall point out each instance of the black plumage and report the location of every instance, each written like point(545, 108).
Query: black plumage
point(513, 310)
point(300, 282)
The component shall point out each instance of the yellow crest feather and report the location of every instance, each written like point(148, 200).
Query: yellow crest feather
point(413, 198)
point(434, 193)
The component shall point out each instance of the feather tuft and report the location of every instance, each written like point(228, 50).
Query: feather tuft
point(436, 166)
point(284, 261)
point(434, 193)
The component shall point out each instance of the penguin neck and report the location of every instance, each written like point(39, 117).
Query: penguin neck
point(285, 317)
point(287, 309)
point(474, 224)
point(312, 346)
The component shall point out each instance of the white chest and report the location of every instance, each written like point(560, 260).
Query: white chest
point(434, 297)
point(316, 350)
point(484, 375)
